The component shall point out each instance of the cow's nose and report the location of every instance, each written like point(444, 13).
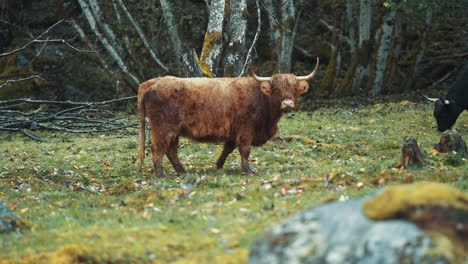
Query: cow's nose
point(287, 104)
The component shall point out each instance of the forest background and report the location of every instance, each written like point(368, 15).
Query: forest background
point(94, 50)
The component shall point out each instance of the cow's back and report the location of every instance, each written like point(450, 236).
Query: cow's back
point(203, 109)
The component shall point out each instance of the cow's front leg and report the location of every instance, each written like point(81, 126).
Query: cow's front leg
point(228, 148)
point(245, 145)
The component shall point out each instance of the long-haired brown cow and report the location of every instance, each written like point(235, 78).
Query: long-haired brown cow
point(241, 112)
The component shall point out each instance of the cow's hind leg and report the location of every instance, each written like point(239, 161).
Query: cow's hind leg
point(158, 155)
point(159, 145)
point(172, 155)
point(228, 148)
point(245, 145)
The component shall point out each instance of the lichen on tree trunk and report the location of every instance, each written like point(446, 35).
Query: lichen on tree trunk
point(213, 43)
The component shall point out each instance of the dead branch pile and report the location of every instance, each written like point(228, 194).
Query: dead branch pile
point(66, 116)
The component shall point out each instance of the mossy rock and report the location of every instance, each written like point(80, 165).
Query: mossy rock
point(439, 209)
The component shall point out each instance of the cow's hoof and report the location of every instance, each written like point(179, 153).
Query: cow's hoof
point(159, 173)
point(249, 170)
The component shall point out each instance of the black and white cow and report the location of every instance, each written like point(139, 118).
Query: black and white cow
point(447, 110)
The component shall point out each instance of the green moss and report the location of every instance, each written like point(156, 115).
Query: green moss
point(396, 199)
point(442, 247)
point(65, 255)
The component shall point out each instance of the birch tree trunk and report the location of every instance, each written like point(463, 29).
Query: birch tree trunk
point(108, 32)
point(394, 71)
point(109, 48)
point(236, 32)
point(213, 43)
point(187, 59)
point(91, 47)
point(383, 52)
point(365, 19)
point(273, 23)
point(142, 35)
point(171, 28)
point(422, 49)
point(350, 23)
point(287, 36)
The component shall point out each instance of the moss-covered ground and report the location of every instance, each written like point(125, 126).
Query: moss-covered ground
point(85, 201)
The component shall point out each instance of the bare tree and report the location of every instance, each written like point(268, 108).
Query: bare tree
point(383, 51)
point(142, 35)
point(105, 42)
point(281, 18)
point(359, 66)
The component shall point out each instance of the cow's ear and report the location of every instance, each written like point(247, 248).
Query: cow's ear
point(303, 87)
point(266, 88)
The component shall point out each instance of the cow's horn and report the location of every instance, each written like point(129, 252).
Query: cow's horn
point(429, 98)
point(258, 78)
point(311, 75)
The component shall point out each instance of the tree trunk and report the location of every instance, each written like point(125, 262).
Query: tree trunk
point(213, 43)
point(110, 49)
point(254, 41)
point(358, 67)
point(287, 35)
point(362, 69)
point(394, 74)
point(84, 38)
point(350, 23)
point(422, 51)
point(274, 31)
point(142, 35)
point(383, 52)
point(190, 64)
point(95, 8)
point(236, 32)
point(172, 30)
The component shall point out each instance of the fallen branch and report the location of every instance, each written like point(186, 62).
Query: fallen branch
point(65, 116)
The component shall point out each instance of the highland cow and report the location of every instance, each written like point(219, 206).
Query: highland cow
point(241, 112)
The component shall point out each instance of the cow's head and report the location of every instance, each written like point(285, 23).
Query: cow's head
point(285, 88)
point(445, 112)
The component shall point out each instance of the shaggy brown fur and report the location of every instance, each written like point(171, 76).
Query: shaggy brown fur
point(241, 112)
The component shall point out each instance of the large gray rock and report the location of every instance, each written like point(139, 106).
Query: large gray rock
point(342, 232)
point(9, 221)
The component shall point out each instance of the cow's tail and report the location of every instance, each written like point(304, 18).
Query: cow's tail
point(142, 114)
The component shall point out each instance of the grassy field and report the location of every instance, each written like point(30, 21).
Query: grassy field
point(84, 200)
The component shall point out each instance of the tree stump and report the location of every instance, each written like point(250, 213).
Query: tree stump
point(411, 153)
point(451, 141)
